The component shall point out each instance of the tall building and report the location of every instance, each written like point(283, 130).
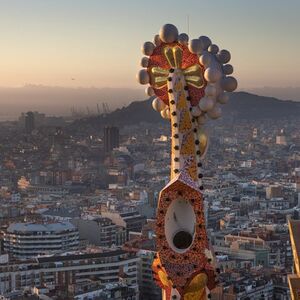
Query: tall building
point(281, 138)
point(111, 138)
point(29, 122)
point(131, 221)
point(255, 133)
point(25, 240)
point(294, 279)
point(148, 288)
point(274, 191)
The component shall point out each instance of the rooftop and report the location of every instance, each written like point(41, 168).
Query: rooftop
point(78, 256)
point(40, 227)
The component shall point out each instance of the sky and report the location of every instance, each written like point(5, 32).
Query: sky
point(96, 43)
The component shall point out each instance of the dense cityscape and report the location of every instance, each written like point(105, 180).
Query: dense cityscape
point(149, 150)
point(78, 208)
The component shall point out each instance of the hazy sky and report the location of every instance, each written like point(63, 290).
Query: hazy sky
point(98, 42)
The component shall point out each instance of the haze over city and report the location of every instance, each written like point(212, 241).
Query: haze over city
point(93, 44)
point(149, 150)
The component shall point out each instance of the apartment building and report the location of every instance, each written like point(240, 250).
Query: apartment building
point(60, 271)
point(25, 240)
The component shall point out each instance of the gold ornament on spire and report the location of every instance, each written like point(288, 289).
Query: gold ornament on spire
point(193, 74)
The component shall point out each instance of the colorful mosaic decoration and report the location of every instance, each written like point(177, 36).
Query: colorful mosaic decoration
point(294, 279)
point(190, 80)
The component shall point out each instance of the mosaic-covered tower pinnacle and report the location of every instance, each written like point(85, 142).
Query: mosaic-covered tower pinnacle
point(190, 80)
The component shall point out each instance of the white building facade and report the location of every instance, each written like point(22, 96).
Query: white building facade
point(26, 240)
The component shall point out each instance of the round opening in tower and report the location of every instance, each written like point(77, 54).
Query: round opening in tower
point(180, 222)
point(182, 239)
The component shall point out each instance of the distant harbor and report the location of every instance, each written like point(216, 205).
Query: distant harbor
point(5, 118)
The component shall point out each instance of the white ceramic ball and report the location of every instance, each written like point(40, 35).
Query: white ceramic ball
point(183, 38)
point(223, 98)
point(143, 77)
point(165, 113)
point(210, 90)
point(229, 83)
point(158, 104)
point(206, 104)
point(148, 48)
point(144, 62)
point(168, 33)
point(205, 42)
point(195, 46)
point(205, 59)
point(215, 113)
point(149, 91)
point(228, 69)
point(224, 56)
point(214, 49)
point(157, 40)
point(212, 74)
point(201, 120)
point(196, 111)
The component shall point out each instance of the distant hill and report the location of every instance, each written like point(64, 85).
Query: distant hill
point(249, 106)
point(291, 92)
point(241, 105)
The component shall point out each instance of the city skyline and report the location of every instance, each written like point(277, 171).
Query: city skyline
point(186, 186)
point(96, 43)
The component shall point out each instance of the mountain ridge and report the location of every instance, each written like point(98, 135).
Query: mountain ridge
point(241, 105)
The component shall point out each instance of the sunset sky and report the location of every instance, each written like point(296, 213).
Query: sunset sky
point(97, 43)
